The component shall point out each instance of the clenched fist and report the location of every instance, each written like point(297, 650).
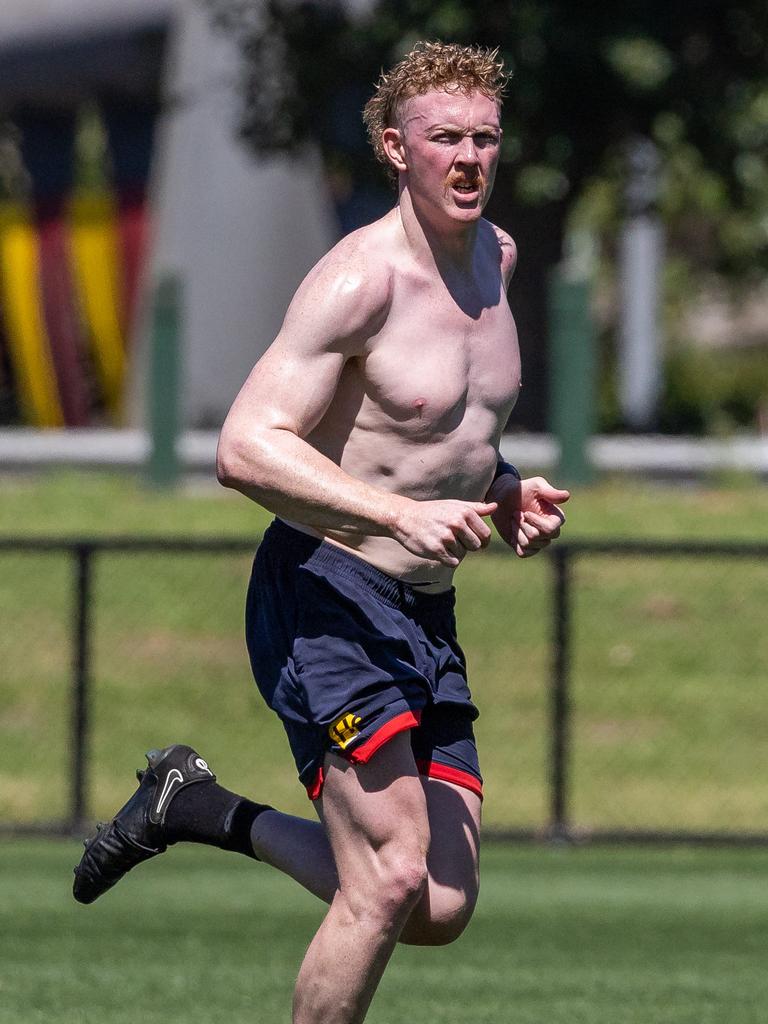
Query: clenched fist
point(443, 531)
point(528, 517)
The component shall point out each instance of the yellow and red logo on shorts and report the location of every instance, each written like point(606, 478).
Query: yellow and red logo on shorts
point(345, 730)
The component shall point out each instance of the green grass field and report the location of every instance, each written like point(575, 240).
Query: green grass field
point(69, 503)
point(671, 717)
point(671, 730)
point(561, 936)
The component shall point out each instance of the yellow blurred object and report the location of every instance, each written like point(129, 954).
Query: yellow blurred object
point(25, 322)
point(96, 272)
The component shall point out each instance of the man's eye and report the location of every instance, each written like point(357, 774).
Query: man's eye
point(487, 138)
point(447, 139)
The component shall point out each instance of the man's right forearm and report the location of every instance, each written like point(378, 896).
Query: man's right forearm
point(289, 477)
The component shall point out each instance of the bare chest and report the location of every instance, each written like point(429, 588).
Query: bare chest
point(439, 360)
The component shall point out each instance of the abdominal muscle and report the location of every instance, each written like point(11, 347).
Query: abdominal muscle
point(449, 468)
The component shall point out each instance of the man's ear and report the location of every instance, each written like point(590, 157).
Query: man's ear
point(392, 141)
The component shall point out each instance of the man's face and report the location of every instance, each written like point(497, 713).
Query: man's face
point(451, 145)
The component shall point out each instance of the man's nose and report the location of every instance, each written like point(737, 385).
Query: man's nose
point(467, 152)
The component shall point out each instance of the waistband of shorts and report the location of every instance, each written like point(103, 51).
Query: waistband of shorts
point(316, 554)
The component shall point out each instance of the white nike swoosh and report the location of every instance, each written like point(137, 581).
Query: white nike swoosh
point(173, 776)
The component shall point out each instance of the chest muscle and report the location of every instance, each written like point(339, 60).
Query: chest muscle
point(429, 368)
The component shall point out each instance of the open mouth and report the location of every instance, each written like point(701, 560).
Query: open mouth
point(468, 190)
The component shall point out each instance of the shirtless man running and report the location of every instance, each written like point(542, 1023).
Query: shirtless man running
point(371, 428)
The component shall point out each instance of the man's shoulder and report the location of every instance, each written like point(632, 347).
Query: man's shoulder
point(365, 252)
point(507, 247)
point(359, 267)
point(350, 288)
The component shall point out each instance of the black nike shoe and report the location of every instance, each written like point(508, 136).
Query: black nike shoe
point(137, 832)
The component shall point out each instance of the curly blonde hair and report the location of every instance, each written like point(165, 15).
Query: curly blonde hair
point(431, 66)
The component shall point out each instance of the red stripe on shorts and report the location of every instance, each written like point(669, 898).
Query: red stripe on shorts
point(314, 791)
point(445, 773)
point(363, 753)
point(406, 720)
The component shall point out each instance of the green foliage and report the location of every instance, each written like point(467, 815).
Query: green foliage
point(713, 392)
point(641, 62)
point(584, 80)
point(705, 392)
point(693, 78)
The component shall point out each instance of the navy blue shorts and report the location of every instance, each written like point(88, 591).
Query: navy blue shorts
point(348, 657)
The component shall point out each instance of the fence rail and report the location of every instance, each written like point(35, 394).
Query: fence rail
point(563, 558)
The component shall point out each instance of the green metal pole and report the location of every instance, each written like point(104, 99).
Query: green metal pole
point(573, 373)
point(163, 464)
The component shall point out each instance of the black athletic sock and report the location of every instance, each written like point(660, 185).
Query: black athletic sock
point(207, 813)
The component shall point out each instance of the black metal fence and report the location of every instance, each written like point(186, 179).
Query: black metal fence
point(732, 560)
point(661, 736)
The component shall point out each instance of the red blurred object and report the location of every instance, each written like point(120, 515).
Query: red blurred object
point(61, 316)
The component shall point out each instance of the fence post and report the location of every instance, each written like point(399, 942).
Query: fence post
point(560, 696)
point(163, 465)
point(573, 347)
point(80, 683)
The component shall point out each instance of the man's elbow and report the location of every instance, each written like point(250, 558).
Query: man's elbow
point(248, 460)
point(234, 467)
point(225, 468)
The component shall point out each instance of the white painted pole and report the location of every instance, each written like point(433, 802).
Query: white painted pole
point(641, 257)
point(238, 231)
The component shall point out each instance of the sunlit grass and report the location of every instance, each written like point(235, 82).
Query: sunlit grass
point(590, 936)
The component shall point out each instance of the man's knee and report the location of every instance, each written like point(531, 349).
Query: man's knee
point(405, 877)
point(438, 922)
point(401, 878)
point(387, 893)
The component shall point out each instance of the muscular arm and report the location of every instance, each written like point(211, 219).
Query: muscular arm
point(262, 452)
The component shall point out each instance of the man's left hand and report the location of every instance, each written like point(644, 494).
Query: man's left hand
point(528, 517)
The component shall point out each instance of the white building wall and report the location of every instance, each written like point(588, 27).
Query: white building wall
point(240, 232)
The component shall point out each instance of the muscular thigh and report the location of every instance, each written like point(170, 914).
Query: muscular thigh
point(374, 812)
point(454, 814)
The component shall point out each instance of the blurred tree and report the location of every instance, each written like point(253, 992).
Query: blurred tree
point(690, 74)
point(694, 76)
